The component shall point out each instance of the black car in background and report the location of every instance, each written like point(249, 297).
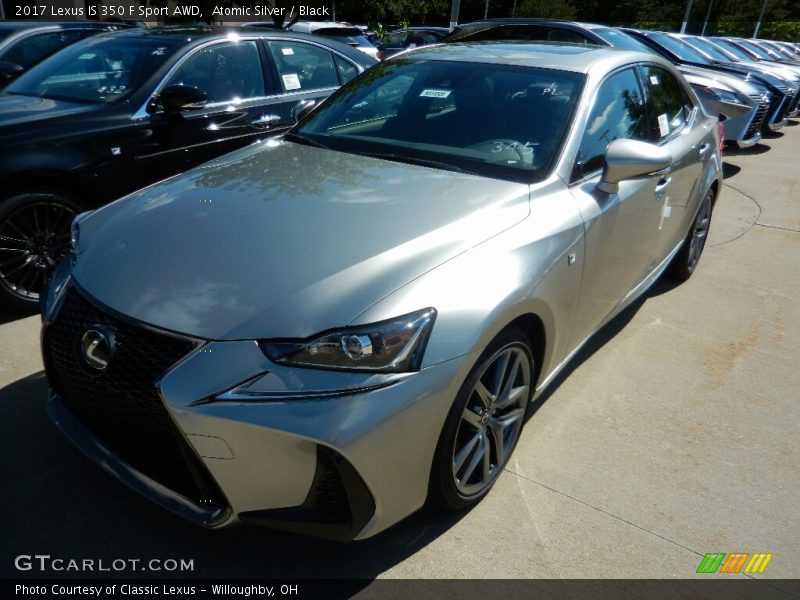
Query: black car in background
point(411, 37)
point(119, 111)
point(25, 43)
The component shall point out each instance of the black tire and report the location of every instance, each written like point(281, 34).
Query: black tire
point(34, 235)
point(471, 414)
point(687, 258)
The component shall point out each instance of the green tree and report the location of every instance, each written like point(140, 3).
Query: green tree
point(548, 9)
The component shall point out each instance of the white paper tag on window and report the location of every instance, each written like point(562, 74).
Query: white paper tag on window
point(287, 51)
point(291, 81)
point(87, 56)
point(654, 79)
point(434, 94)
point(663, 125)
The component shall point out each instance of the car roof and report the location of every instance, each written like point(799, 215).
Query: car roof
point(535, 21)
point(20, 25)
point(198, 35)
point(315, 25)
point(578, 58)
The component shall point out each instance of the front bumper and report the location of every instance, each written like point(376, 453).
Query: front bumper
point(343, 467)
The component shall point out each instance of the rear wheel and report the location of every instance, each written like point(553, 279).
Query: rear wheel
point(685, 261)
point(484, 424)
point(34, 235)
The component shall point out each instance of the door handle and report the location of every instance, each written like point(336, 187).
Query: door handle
point(661, 187)
point(265, 120)
point(703, 149)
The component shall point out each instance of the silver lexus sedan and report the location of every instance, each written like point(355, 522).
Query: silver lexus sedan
point(319, 333)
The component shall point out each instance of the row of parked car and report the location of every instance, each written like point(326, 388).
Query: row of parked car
point(98, 119)
point(323, 331)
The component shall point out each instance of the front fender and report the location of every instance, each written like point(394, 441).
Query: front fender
point(530, 269)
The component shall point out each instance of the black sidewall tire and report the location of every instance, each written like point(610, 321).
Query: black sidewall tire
point(680, 268)
point(442, 491)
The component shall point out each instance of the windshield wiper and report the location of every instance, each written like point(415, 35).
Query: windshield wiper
point(301, 139)
point(415, 160)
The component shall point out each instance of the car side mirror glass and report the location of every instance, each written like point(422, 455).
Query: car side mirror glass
point(628, 159)
point(179, 98)
point(9, 70)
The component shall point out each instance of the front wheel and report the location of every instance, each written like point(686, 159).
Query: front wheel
point(34, 235)
point(685, 261)
point(484, 424)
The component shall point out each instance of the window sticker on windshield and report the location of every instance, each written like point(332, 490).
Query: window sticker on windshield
point(654, 79)
point(291, 81)
point(159, 51)
point(87, 56)
point(663, 125)
point(431, 93)
point(287, 51)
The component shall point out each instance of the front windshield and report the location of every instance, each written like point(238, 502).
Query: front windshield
point(500, 121)
point(779, 50)
point(756, 49)
point(620, 39)
point(704, 46)
point(683, 51)
point(463, 31)
point(4, 33)
point(99, 70)
point(734, 49)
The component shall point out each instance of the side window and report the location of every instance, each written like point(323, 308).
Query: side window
point(346, 70)
point(556, 34)
point(420, 38)
point(669, 103)
point(304, 67)
point(618, 113)
point(30, 50)
point(396, 40)
point(226, 72)
point(517, 32)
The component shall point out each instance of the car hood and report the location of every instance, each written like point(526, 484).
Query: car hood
point(729, 82)
point(283, 240)
point(16, 110)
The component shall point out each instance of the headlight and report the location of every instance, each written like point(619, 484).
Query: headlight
point(727, 96)
point(723, 95)
point(392, 346)
point(75, 234)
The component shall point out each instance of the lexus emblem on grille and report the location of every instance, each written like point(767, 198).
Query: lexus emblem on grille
point(97, 348)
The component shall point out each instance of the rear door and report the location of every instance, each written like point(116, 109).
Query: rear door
point(303, 71)
point(677, 125)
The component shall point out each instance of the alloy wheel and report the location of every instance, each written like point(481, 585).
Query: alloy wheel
point(699, 233)
point(32, 240)
point(492, 420)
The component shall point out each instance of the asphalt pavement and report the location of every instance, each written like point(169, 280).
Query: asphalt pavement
point(673, 434)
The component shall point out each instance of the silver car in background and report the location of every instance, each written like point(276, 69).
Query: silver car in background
point(743, 105)
point(320, 332)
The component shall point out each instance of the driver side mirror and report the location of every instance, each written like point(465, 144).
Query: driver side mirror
point(627, 159)
point(9, 70)
point(303, 109)
point(178, 98)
